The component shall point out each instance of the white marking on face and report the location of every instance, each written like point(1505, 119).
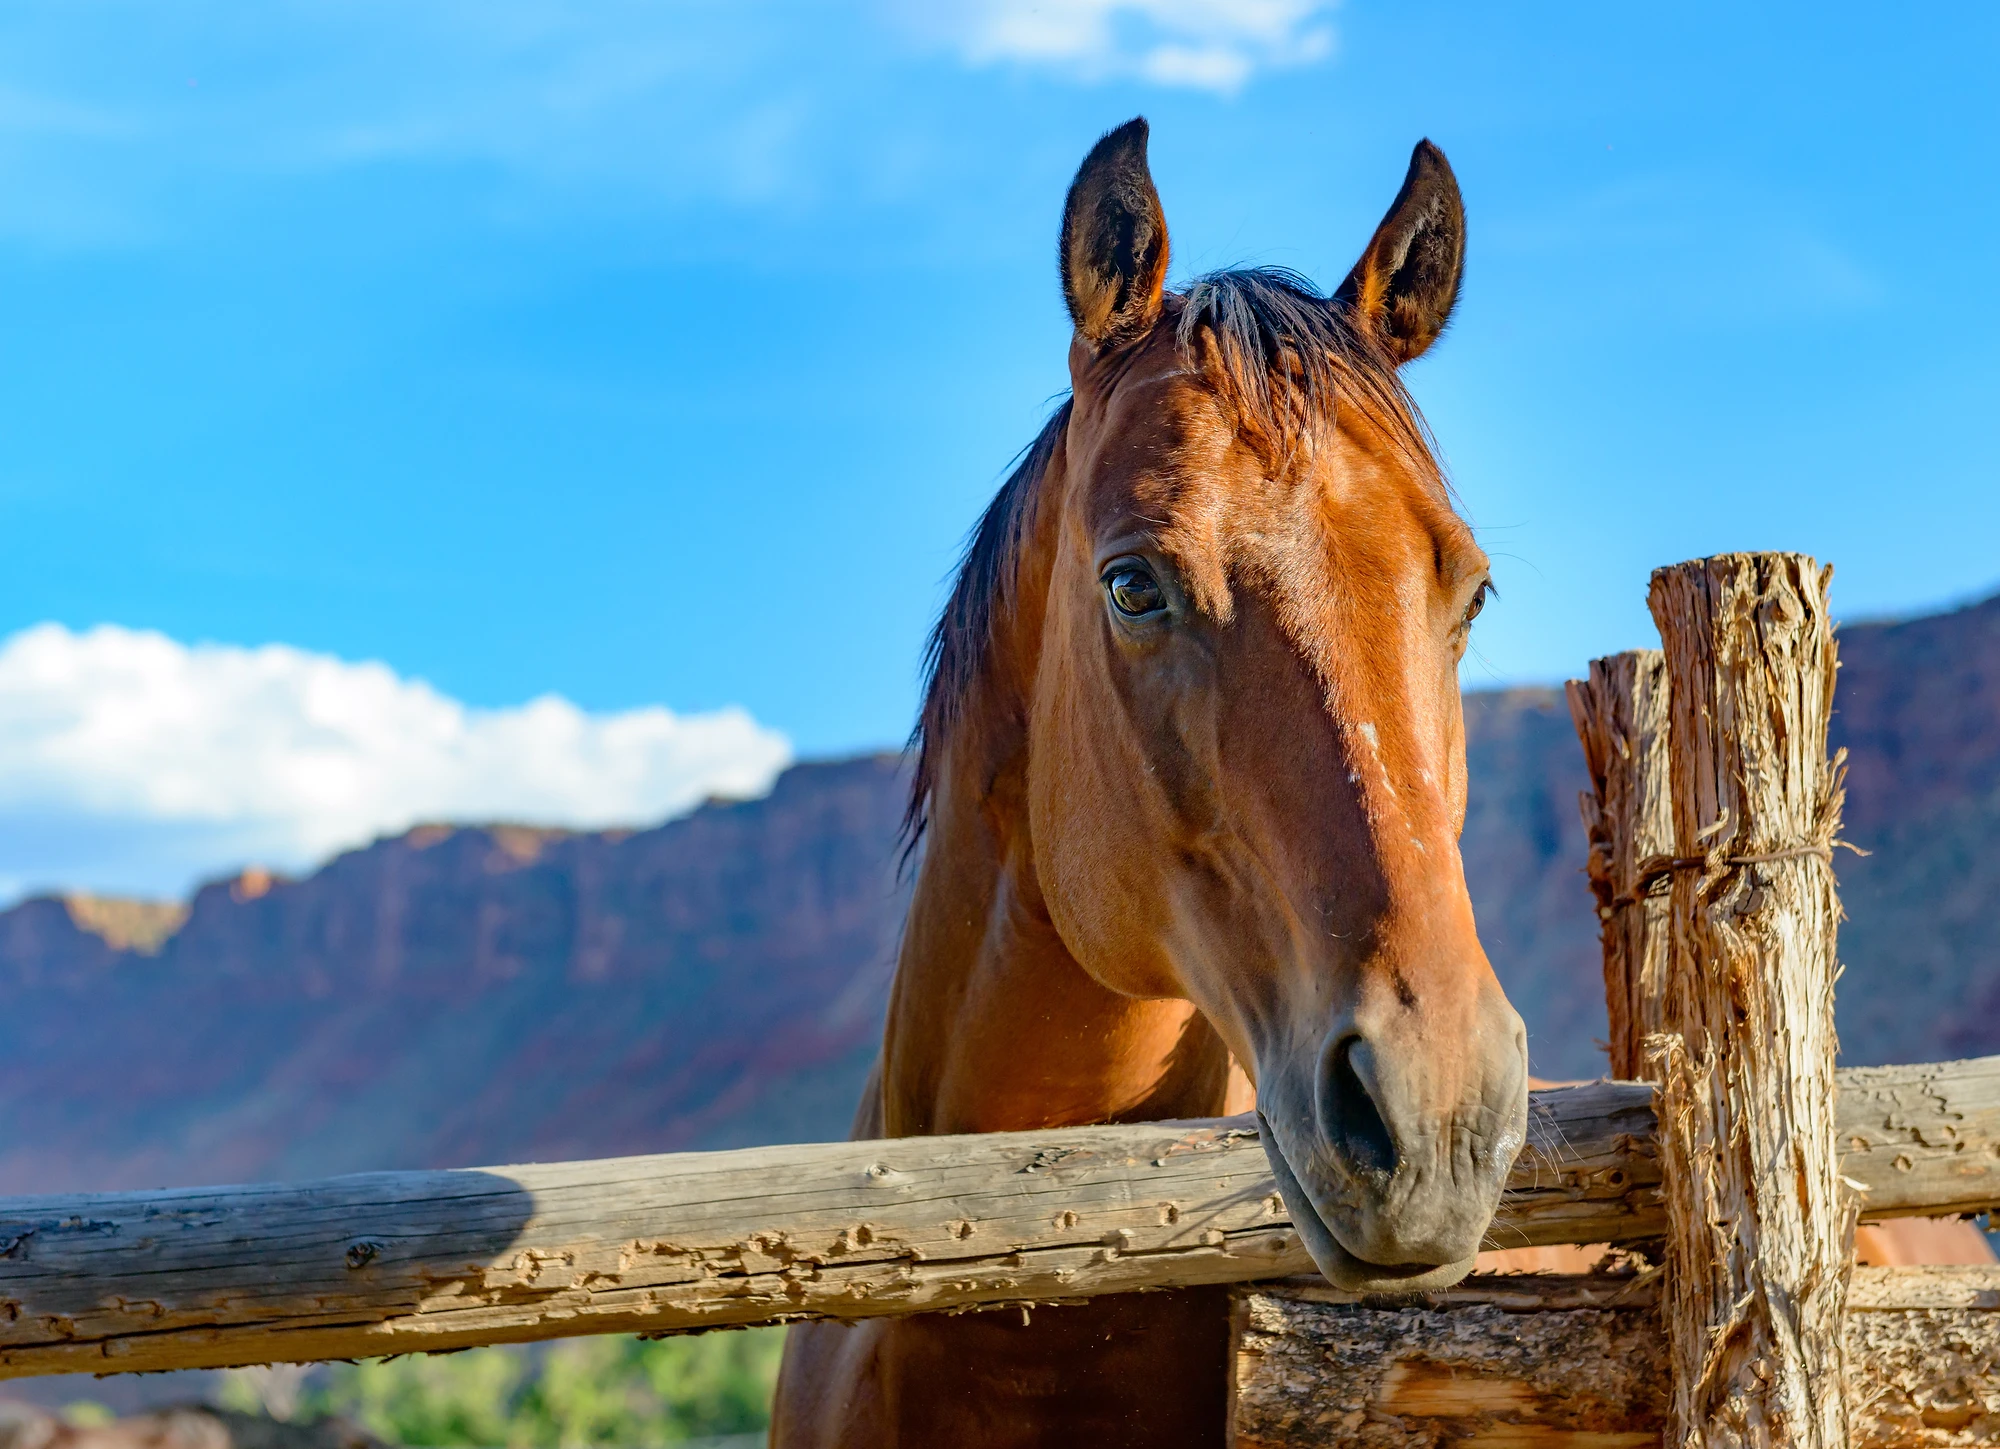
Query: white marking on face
point(1366, 729)
point(1368, 732)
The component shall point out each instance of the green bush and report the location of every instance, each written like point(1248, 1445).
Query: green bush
point(609, 1391)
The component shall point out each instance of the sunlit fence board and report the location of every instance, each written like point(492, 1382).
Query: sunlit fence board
point(412, 1261)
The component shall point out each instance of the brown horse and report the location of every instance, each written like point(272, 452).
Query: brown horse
point(1190, 787)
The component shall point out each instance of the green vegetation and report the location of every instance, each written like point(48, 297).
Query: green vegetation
point(585, 1391)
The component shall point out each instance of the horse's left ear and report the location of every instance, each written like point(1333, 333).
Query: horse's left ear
point(1403, 288)
point(1114, 241)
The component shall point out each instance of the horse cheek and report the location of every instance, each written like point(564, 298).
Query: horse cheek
point(1097, 826)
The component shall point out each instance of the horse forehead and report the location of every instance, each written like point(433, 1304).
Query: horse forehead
point(1164, 419)
point(1213, 502)
point(1172, 462)
point(1167, 450)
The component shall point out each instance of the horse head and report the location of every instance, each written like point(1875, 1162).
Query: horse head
point(1245, 773)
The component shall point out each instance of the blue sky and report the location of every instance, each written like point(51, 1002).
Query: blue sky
point(660, 354)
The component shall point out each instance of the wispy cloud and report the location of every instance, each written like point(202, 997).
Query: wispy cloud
point(550, 110)
point(198, 759)
point(1619, 240)
point(635, 97)
point(24, 113)
point(1215, 45)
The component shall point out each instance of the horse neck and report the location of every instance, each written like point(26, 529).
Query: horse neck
point(993, 1025)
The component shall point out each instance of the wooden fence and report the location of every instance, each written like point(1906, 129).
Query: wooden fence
point(400, 1262)
point(1713, 816)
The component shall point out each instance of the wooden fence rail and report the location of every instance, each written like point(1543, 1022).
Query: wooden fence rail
point(1540, 1361)
point(403, 1262)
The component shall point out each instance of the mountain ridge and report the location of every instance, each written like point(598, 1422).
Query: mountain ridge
point(465, 994)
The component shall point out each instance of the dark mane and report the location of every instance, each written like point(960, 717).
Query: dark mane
point(956, 649)
point(1278, 352)
point(1285, 358)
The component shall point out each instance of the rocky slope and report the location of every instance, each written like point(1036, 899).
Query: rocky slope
point(493, 994)
point(455, 996)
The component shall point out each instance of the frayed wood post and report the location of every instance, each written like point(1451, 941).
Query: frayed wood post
point(1620, 713)
point(1760, 1223)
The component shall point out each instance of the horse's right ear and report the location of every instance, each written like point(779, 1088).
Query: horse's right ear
point(1114, 241)
point(1402, 290)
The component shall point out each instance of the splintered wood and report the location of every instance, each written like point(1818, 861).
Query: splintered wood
point(1543, 1361)
point(1761, 1225)
point(1621, 717)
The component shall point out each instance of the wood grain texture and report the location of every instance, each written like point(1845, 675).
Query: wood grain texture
point(412, 1261)
point(1620, 713)
point(1761, 1227)
point(1310, 1370)
point(1545, 1361)
point(1921, 1141)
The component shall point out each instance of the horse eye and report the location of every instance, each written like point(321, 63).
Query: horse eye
point(1478, 603)
point(1134, 592)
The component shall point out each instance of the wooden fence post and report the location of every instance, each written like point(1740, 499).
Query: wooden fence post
point(1760, 1223)
point(1620, 713)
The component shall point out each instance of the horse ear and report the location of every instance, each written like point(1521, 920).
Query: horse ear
point(1114, 240)
point(1402, 290)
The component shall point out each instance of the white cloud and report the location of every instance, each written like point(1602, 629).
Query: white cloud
point(1212, 45)
point(129, 761)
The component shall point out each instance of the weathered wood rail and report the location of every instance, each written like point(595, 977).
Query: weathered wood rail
point(406, 1262)
point(1582, 1363)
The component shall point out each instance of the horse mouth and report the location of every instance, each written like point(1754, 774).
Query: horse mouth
point(1341, 1267)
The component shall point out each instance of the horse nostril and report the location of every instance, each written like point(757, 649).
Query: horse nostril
point(1354, 1123)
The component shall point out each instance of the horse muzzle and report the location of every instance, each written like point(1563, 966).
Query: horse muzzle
point(1391, 1153)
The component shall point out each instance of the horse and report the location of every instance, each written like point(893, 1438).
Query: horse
point(1190, 778)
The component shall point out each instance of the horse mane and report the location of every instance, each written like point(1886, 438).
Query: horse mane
point(956, 650)
point(1279, 353)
